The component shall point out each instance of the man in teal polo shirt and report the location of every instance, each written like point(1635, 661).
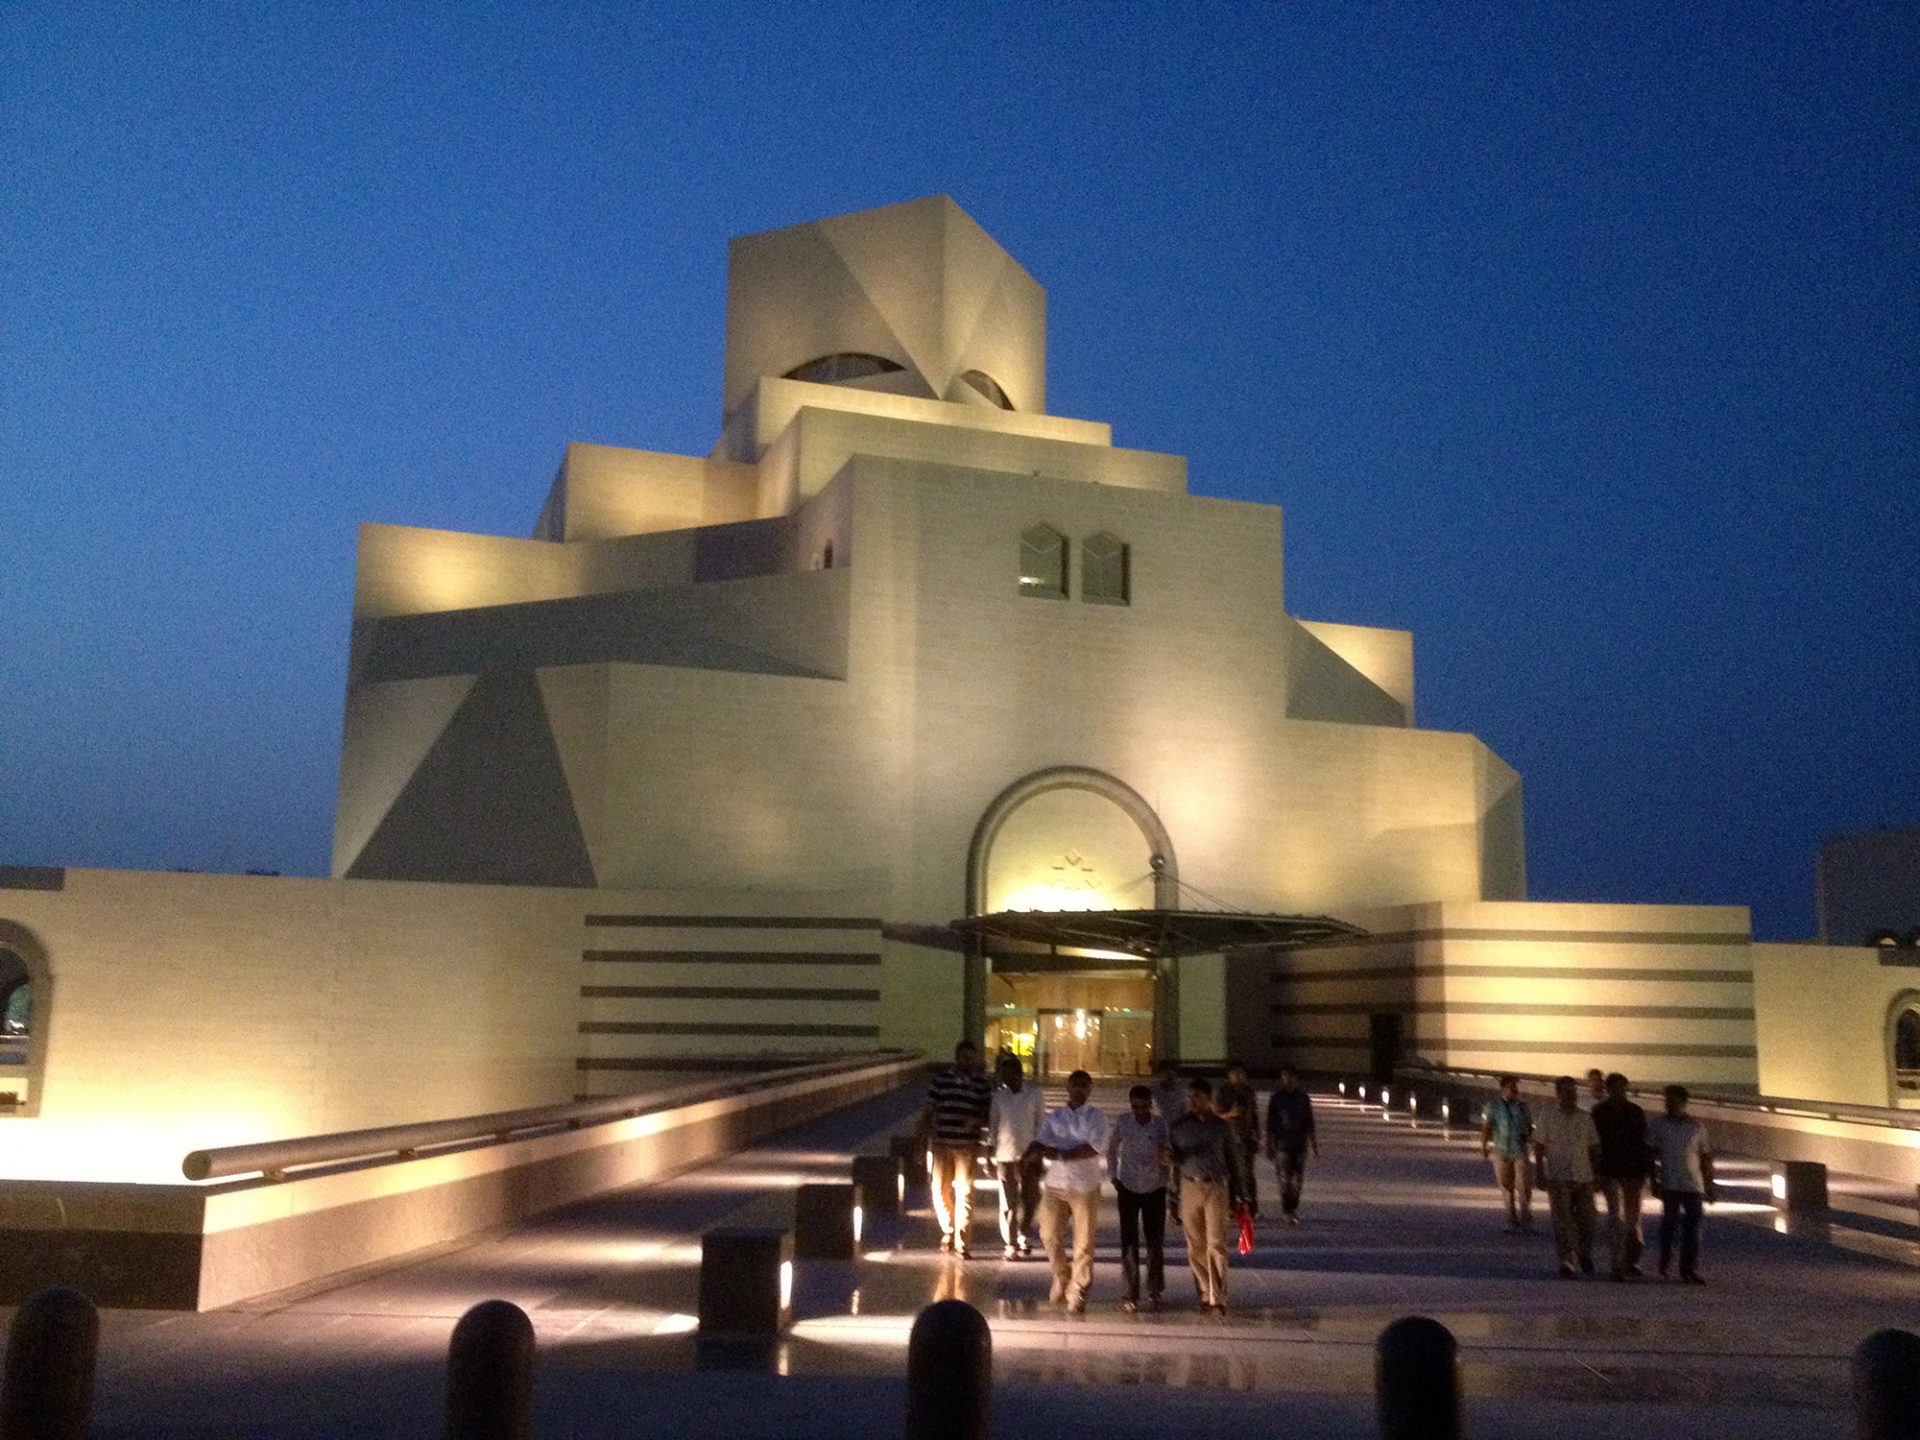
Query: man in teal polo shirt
point(1506, 1131)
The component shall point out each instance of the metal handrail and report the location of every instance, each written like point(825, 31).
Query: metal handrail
point(273, 1158)
point(1836, 1110)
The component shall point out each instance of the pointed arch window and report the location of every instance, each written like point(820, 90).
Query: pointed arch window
point(1043, 563)
point(1104, 577)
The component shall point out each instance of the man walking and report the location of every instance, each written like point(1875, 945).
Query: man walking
point(1622, 1173)
point(1073, 1142)
point(1012, 1122)
point(1686, 1181)
point(1290, 1135)
point(1238, 1104)
point(1506, 1137)
point(958, 1102)
point(1138, 1159)
point(1565, 1146)
point(1200, 1144)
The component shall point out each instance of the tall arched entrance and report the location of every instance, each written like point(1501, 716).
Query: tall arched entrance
point(1071, 838)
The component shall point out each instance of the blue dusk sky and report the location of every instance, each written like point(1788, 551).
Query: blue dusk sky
point(1581, 340)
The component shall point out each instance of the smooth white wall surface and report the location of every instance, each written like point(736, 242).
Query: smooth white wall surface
point(1823, 1018)
point(189, 1011)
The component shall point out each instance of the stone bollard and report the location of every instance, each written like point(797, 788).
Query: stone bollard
point(949, 1373)
point(827, 1219)
point(490, 1374)
point(47, 1391)
point(883, 1183)
point(1416, 1381)
point(1886, 1385)
point(1799, 1185)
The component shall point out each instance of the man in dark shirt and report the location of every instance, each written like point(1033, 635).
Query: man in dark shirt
point(1237, 1103)
point(1290, 1135)
point(953, 1120)
point(1200, 1145)
point(1622, 1172)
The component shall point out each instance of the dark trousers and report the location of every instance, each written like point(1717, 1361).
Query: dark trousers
point(1680, 1210)
point(1245, 1187)
point(1142, 1210)
point(1019, 1193)
point(1292, 1168)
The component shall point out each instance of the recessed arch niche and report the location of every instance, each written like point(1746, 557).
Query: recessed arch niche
point(1072, 838)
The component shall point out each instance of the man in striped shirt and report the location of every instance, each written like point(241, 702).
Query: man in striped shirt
point(954, 1117)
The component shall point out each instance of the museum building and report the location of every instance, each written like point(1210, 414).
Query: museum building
point(910, 711)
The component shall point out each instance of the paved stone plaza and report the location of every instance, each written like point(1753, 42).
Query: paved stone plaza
point(1396, 1222)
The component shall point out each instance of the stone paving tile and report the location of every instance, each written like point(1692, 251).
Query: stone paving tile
point(1397, 1221)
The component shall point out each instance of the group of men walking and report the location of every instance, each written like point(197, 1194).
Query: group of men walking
point(1612, 1148)
point(1181, 1151)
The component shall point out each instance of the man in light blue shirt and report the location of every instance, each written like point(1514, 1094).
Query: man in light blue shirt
point(1506, 1137)
point(1137, 1159)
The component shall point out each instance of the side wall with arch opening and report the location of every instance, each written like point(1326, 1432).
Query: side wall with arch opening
point(1825, 1017)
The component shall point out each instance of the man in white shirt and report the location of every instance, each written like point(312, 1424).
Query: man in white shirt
point(1012, 1122)
point(1686, 1181)
point(1073, 1141)
point(1565, 1147)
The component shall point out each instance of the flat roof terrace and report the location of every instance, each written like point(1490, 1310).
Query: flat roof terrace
point(1396, 1221)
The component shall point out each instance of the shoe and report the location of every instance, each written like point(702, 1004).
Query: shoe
point(964, 1250)
point(1294, 1221)
point(1153, 1302)
point(946, 1243)
point(1078, 1306)
point(1056, 1294)
point(1666, 1264)
point(1567, 1272)
point(1633, 1272)
point(1509, 1228)
point(1693, 1277)
point(1586, 1264)
point(1025, 1247)
point(1526, 1224)
point(1130, 1306)
point(1619, 1276)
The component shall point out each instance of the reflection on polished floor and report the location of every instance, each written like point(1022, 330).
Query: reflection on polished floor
point(1397, 1221)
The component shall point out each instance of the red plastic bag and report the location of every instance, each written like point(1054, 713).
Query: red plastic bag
point(1246, 1230)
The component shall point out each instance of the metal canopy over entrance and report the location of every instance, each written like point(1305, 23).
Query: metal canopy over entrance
point(1156, 934)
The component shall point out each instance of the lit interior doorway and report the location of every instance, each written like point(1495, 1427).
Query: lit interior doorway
point(1097, 1020)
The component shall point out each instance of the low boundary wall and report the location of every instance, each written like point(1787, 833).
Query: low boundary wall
point(198, 1247)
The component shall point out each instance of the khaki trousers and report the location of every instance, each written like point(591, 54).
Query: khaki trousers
point(953, 1189)
point(1058, 1208)
point(1203, 1215)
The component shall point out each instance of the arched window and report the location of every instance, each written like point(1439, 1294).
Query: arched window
point(1103, 573)
point(17, 1057)
point(1043, 562)
point(847, 365)
point(986, 385)
point(1903, 1049)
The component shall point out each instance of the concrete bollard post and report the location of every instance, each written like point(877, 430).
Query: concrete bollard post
point(883, 1183)
point(949, 1373)
point(47, 1391)
point(1416, 1381)
point(1886, 1385)
point(827, 1220)
point(1799, 1185)
point(490, 1374)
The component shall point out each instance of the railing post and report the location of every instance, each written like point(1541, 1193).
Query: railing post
point(490, 1374)
point(1886, 1385)
point(1416, 1381)
point(47, 1391)
point(949, 1373)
